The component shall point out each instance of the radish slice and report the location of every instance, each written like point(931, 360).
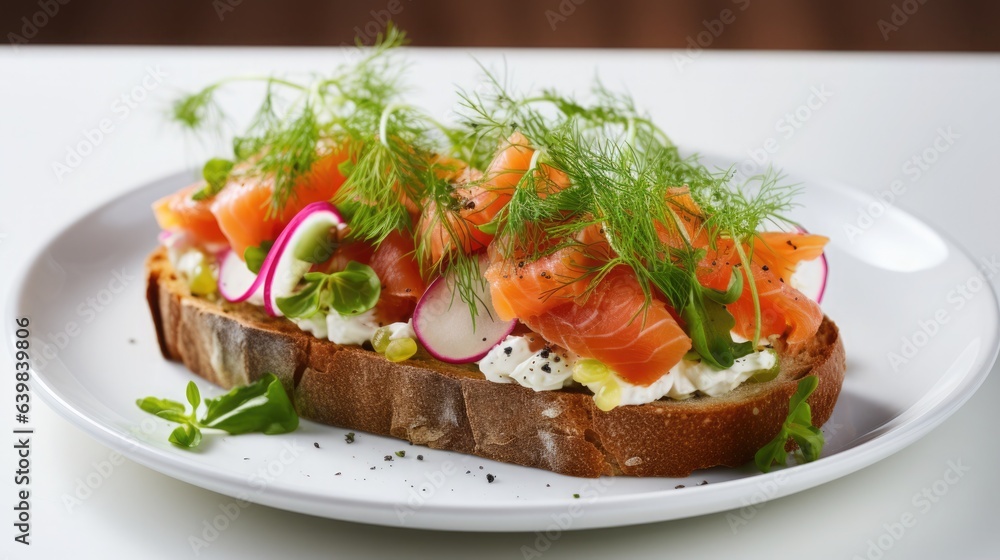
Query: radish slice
point(287, 268)
point(810, 276)
point(444, 325)
point(237, 283)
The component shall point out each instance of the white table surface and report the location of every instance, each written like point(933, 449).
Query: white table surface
point(881, 111)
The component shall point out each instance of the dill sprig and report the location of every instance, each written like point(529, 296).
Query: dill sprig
point(300, 121)
point(622, 172)
point(622, 169)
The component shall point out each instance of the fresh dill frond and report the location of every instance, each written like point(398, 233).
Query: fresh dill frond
point(598, 162)
point(740, 211)
point(627, 176)
point(197, 111)
point(299, 122)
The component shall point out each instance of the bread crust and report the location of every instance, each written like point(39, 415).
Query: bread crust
point(451, 407)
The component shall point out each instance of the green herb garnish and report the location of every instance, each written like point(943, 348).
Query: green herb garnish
point(299, 122)
point(262, 406)
point(622, 168)
point(215, 172)
point(624, 174)
point(797, 426)
point(254, 256)
point(349, 292)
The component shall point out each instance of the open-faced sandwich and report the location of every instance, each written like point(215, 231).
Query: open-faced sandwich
point(547, 282)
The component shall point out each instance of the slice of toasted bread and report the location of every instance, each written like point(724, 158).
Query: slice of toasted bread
point(453, 407)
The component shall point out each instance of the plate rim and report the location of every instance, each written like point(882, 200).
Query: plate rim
point(711, 497)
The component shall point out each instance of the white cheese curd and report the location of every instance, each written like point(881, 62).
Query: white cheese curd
point(513, 361)
point(314, 324)
point(184, 256)
point(504, 358)
point(356, 329)
point(401, 330)
point(689, 377)
point(353, 329)
point(188, 261)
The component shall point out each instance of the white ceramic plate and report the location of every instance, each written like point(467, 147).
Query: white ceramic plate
point(897, 280)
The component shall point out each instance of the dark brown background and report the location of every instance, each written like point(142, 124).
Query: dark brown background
point(762, 24)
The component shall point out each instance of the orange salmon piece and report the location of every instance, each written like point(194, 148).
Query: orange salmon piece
point(638, 344)
point(243, 212)
point(180, 212)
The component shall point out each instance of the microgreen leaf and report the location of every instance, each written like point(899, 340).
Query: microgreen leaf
point(186, 435)
point(154, 405)
point(254, 256)
point(354, 290)
point(709, 326)
point(174, 416)
point(490, 227)
point(303, 303)
point(262, 406)
point(732, 293)
point(797, 426)
point(216, 173)
point(193, 395)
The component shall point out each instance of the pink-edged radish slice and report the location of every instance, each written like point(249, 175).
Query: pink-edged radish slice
point(295, 249)
point(444, 325)
point(810, 276)
point(238, 283)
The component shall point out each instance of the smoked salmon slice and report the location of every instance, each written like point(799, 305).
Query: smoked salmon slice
point(240, 214)
point(395, 264)
point(783, 251)
point(180, 212)
point(243, 207)
point(782, 307)
point(520, 287)
point(479, 201)
point(637, 341)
